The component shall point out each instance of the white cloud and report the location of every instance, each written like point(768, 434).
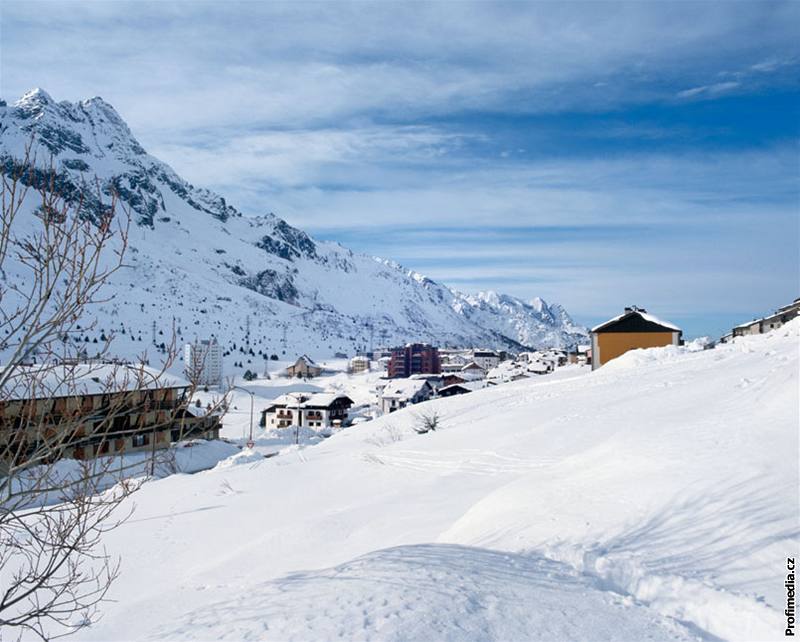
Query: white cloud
point(709, 90)
point(179, 66)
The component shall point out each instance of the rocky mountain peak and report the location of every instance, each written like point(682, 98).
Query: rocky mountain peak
point(318, 296)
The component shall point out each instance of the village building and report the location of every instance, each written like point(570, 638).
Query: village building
point(455, 358)
point(461, 388)
point(580, 354)
point(359, 363)
point(414, 358)
point(436, 380)
point(472, 371)
point(633, 329)
point(307, 410)
point(486, 359)
point(449, 368)
point(750, 327)
point(450, 379)
point(760, 326)
point(405, 392)
point(202, 362)
point(782, 315)
point(539, 367)
point(96, 409)
point(514, 371)
point(304, 367)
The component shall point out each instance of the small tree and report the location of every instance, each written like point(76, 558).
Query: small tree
point(427, 422)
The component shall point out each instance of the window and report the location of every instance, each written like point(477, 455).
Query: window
point(140, 440)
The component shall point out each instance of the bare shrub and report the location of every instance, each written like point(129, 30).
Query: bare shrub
point(426, 422)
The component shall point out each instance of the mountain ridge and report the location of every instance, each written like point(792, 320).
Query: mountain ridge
point(200, 263)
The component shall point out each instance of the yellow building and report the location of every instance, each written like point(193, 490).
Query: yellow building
point(633, 329)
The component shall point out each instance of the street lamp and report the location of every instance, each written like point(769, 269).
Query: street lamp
point(250, 442)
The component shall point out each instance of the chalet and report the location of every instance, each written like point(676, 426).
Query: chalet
point(633, 329)
point(461, 388)
point(304, 367)
point(96, 409)
point(308, 410)
point(405, 392)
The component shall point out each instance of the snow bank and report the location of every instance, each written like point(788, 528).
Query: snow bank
point(428, 592)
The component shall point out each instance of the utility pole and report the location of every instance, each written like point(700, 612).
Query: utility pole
point(250, 441)
point(154, 331)
point(247, 331)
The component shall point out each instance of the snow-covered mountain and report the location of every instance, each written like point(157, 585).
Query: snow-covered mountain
point(199, 263)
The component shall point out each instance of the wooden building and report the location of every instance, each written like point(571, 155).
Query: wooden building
point(633, 329)
point(95, 409)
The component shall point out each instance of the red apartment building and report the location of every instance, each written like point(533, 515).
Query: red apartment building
point(414, 358)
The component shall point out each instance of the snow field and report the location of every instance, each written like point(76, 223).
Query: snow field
point(655, 499)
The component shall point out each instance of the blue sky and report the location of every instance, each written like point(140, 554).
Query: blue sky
point(595, 154)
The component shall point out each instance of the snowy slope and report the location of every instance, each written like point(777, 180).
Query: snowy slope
point(655, 498)
point(197, 262)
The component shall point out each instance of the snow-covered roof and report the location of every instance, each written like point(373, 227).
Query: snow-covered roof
point(467, 385)
point(747, 324)
point(472, 366)
point(307, 359)
point(644, 315)
point(404, 388)
point(308, 400)
point(537, 366)
point(67, 380)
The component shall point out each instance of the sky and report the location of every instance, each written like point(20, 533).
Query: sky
point(593, 154)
